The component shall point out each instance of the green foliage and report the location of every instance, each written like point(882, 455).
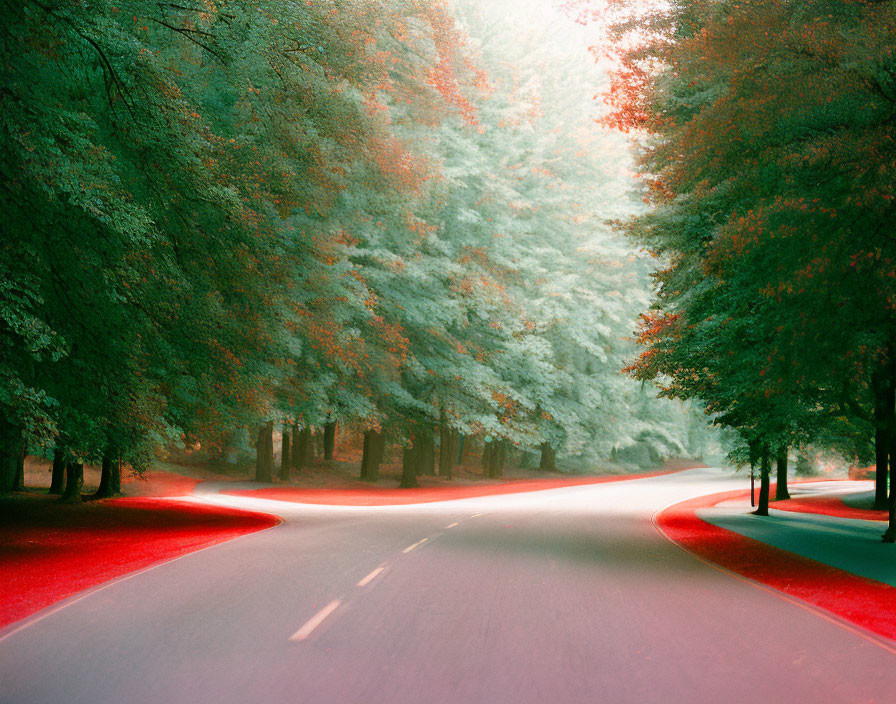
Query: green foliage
point(768, 161)
point(236, 212)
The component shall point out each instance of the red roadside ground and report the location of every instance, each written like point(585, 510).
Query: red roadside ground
point(864, 602)
point(829, 506)
point(50, 551)
point(361, 494)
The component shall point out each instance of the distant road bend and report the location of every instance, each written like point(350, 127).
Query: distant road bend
point(565, 595)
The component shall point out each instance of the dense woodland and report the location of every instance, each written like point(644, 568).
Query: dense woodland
point(386, 217)
point(767, 131)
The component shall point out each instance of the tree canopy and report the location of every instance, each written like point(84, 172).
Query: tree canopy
point(386, 214)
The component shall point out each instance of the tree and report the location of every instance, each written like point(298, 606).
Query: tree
point(769, 129)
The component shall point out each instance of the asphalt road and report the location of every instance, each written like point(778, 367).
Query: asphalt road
point(567, 595)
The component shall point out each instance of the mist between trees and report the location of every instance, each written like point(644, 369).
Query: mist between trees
point(392, 217)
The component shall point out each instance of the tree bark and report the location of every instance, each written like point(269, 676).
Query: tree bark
point(446, 451)
point(459, 440)
point(427, 463)
point(264, 453)
point(285, 458)
point(19, 484)
point(410, 459)
point(74, 480)
point(11, 445)
point(781, 491)
point(493, 457)
point(379, 453)
point(884, 402)
point(548, 458)
point(329, 439)
point(57, 480)
point(487, 451)
point(9, 467)
point(890, 535)
point(301, 448)
point(764, 483)
point(365, 455)
point(107, 483)
point(374, 449)
point(116, 477)
point(294, 456)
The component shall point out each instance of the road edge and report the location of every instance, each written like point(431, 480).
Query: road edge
point(693, 549)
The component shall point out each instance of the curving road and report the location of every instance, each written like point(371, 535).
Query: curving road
point(566, 595)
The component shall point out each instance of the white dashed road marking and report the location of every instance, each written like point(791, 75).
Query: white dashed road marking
point(415, 545)
point(315, 621)
point(369, 578)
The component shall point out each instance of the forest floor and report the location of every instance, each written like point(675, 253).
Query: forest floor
point(337, 483)
point(357, 493)
point(823, 548)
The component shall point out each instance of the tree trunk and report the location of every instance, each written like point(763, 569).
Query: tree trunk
point(19, 484)
point(890, 535)
point(379, 452)
point(301, 448)
point(74, 480)
point(882, 455)
point(446, 451)
point(269, 450)
point(107, 482)
point(883, 438)
point(285, 458)
point(781, 492)
point(410, 459)
point(374, 448)
point(10, 447)
point(329, 439)
point(764, 483)
point(116, 477)
point(459, 441)
point(493, 459)
point(294, 456)
point(548, 458)
point(264, 453)
point(365, 455)
point(427, 464)
point(57, 480)
point(486, 460)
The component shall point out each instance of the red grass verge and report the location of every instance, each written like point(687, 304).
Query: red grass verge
point(864, 602)
point(365, 495)
point(50, 551)
point(828, 506)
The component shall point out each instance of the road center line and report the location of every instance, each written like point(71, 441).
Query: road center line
point(415, 545)
point(369, 578)
point(453, 524)
point(315, 621)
